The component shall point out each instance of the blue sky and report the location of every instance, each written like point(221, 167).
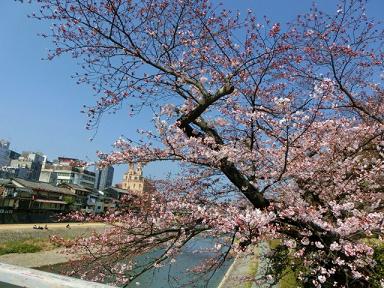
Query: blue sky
point(40, 104)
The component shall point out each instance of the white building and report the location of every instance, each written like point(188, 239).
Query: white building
point(31, 162)
point(67, 170)
point(4, 153)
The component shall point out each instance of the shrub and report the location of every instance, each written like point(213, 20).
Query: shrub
point(19, 247)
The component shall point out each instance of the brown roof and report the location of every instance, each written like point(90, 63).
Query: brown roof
point(118, 190)
point(42, 186)
point(75, 186)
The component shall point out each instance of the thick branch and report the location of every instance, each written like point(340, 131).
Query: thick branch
point(203, 105)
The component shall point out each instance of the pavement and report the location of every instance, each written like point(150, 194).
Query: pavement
point(242, 271)
point(37, 259)
point(249, 270)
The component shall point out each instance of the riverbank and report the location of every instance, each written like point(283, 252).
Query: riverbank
point(249, 271)
point(25, 234)
point(16, 232)
point(37, 259)
point(243, 270)
point(170, 275)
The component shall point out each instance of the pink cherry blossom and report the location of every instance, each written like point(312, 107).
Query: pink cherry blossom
point(278, 131)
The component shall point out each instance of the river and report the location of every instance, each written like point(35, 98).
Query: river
point(174, 275)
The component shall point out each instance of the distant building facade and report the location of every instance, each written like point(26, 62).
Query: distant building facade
point(82, 194)
point(4, 153)
point(134, 181)
point(34, 196)
point(28, 165)
point(104, 178)
point(115, 192)
point(47, 176)
point(7, 172)
point(14, 155)
point(67, 170)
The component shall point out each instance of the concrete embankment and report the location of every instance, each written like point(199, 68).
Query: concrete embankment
point(17, 232)
point(249, 270)
point(242, 271)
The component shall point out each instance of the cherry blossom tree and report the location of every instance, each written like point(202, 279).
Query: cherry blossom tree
point(278, 130)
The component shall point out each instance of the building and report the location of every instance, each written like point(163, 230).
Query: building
point(82, 194)
point(47, 176)
point(29, 165)
point(14, 155)
point(4, 153)
point(104, 178)
point(99, 203)
point(8, 172)
point(30, 196)
point(134, 181)
point(115, 192)
point(67, 170)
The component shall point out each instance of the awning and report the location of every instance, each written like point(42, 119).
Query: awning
point(50, 201)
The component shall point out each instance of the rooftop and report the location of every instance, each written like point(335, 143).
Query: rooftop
point(75, 186)
point(42, 186)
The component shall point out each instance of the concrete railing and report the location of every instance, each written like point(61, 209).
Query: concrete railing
point(15, 276)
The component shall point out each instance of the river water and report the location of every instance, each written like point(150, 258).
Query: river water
point(175, 275)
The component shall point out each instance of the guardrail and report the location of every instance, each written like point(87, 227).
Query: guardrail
point(12, 276)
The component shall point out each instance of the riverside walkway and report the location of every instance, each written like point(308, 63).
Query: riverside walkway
point(37, 259)
point(15, 268)
point(249, 270)
point(15, 276)
point(242, 271)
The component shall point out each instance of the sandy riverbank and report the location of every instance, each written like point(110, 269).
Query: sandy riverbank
point(29, 226)
point(37, 259)
point(17, 232)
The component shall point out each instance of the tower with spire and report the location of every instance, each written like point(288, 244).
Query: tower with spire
point(134, 181)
